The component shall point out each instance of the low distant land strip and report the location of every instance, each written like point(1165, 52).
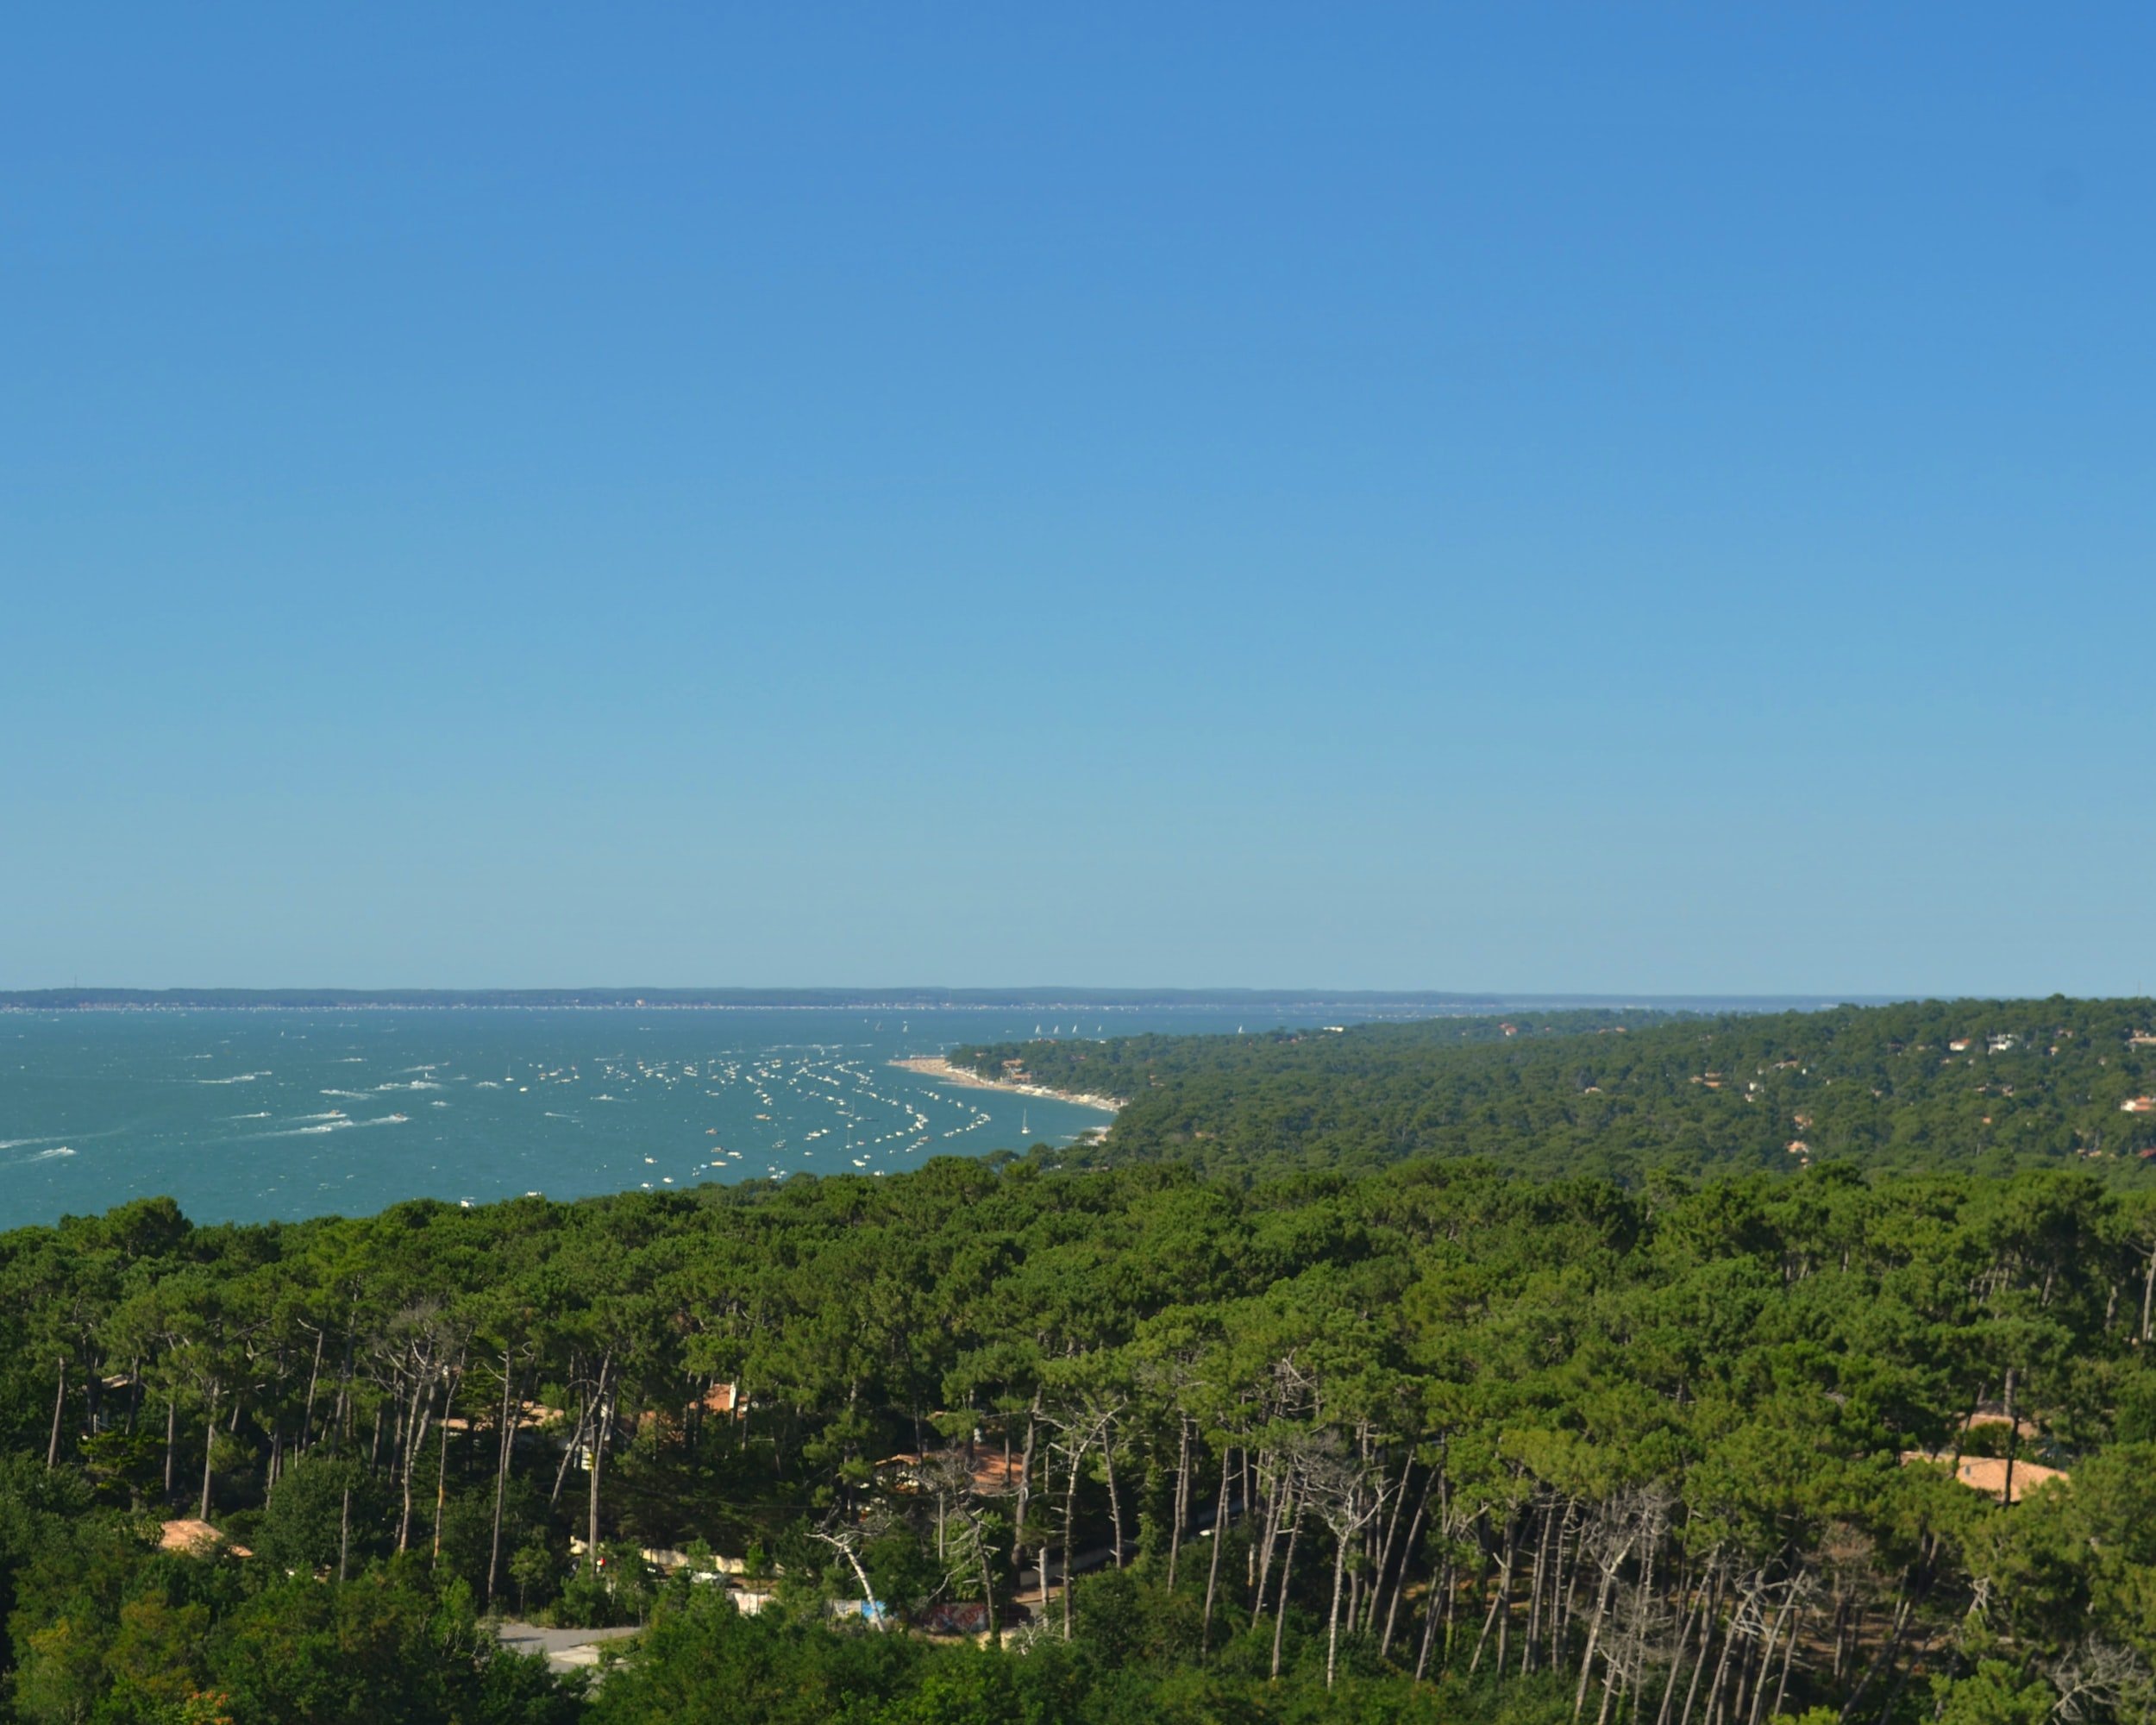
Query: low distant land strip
point(1304, 1003)
point(935, 1066)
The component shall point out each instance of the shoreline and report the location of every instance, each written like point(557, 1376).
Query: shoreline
point(935, 1066)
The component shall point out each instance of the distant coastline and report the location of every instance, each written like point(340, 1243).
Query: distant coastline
point(935, 1066)
point(1286, 1004)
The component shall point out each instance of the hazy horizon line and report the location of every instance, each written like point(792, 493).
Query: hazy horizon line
point(928, 995)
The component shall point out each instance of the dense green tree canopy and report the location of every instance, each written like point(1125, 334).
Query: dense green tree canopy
point(1924, 1084)
point(1323, 1432)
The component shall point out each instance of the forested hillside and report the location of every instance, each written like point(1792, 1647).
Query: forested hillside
point(1431, 1443)
point(1987, 1084)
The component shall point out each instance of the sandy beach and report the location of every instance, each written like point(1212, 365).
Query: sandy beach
point(935, 1066)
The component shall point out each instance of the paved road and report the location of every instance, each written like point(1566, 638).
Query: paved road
point(565, 1649)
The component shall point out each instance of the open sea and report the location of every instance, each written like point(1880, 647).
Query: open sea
point(256, 1115)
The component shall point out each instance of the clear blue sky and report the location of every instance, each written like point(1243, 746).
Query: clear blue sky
point(1534, 497)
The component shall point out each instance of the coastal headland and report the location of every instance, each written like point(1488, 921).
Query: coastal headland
point(935, 1066)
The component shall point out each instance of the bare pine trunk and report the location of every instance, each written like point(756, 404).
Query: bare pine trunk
point(1721, 1666)
point(416, 1437)
point(442, 1466)
point(1332, 1623)
point(1705, 1642)
point(602, 1429)
point(1383, 1564)
point(314, 1376)
point(1676, 1662)
point(1264, 1575)
point(1766, 1657)
point(59, 1399)
point(1789, 1653)
point(1046, 1482)
point(1594, 1632)
point(570, 1451)
point(209, 1449)
point(1220, 1535)
point(1025, 1488)
point(1406, 1558)
point(508, 1437)
point(1490, 1617)
point(1183, 1498)
point(1287, 1572)
point(1070, 1552)
point(1442, 1579)
point(1115, 1502)
point(1539, 1574)
point(1504, 1593)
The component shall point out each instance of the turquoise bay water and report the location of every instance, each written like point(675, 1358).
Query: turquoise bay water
point(260, 1115)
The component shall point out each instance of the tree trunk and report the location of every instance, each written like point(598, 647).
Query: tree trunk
point(1439, 1579)
point(868, 1593)
point(209, 1449)
point(602, 1429)
point(1677, 1658)
point(1766, 1657)
point(1885, 1655)
point(1489, 1615)
point(172, 1440)
point(989, 1588)
point(508, 1438)
point(1383, 1564)
point(1407, 1558)
point(1789, 1653)
point(1722, 1665)
point(1115, 1502)
point(1265, 1551)
point(59, 1399)
point(1332, 1623)
point(442, 1466)
point(1594, 1629)
point(2013, 1440)
point(1540, 1572)
point(1070, 1554)
point(1025, 1492)
point(415, 1440)
point(1564, 1582)
point(1182, 1497)
point(1504, 1593)
point(1048, 1495)
point(571, 1451)
point(1706, 1644)
point(1220, 1538)
point(314, 1376)
point(341, 1416)
point(1643, 1597)
point(1287, 1574)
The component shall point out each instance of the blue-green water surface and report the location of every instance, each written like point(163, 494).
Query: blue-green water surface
point(259, 1115)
